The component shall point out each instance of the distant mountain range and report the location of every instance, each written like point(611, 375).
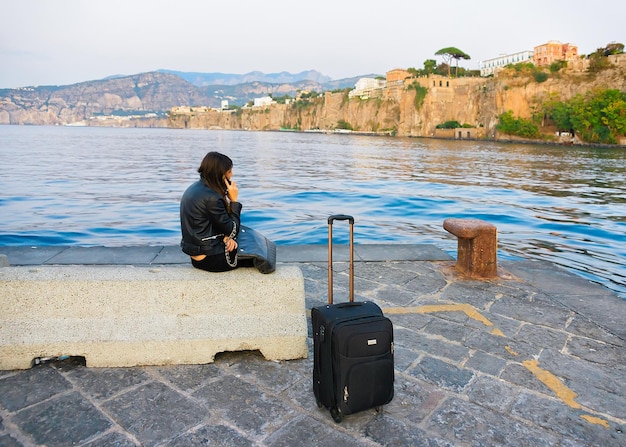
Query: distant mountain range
point(208, 79)
point(153, 92)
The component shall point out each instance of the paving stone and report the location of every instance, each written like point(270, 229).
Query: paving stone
point(301, 395)
point(428, 283)
point(42, 382)
point(441, 348)
point(480, 294)
point(403, 358)
point(274, 376)
point(541, 336)
point(171, 254)
point(411, 321)
point(503, 347)
point(407, 338)
point(601, 389)
point(472, 424)
point(188, 377)
point(597, 352)
point(9, 441)
point(551, 278)
point(414, 399)
point(364, 287)
point(146, 412)
point(387, 273)
point(486, 363)
point(442, 374)
point(517, 374)
point(492, 393)
point(450, 330)
point(244, 405)
point(388, 431)
point(303, 431)
point(556, 416)
point(532, 309)
point(603, 307)
point(213, 435)
point(102, 383)
point(582, 326)
point(65, 420)
point(30, 255)
point(112, 440)
point(394, 296)
point(508, 326)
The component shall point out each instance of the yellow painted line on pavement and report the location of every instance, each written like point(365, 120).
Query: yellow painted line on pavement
point(552, 382)
point(561, 390)
point(595, 420)
point(565, 394)
point(510, 350)
point(468, 309)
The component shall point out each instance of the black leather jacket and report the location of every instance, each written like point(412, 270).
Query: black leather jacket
point(204, 220)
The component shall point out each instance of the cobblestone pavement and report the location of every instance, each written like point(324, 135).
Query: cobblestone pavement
point(536, 357)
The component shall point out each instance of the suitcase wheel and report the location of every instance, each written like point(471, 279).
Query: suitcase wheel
point(319, 404)
point(336, 415)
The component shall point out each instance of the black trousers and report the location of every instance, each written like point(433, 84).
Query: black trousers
point(217, 263)
point(214, 263)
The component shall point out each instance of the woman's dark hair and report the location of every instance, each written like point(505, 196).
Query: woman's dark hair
point(212, 170)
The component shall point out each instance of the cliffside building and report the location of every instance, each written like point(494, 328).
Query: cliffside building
point(491, 66)
point(368, 88)
point(554, 51)
point(264, 101)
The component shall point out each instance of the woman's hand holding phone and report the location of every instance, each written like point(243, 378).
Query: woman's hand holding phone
point(231, 189)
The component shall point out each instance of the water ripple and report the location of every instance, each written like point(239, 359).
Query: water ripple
point(114, 187)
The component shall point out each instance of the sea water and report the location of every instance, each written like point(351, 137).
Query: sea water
point(119, 187)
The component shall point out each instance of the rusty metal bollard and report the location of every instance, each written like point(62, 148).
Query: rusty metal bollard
point(477, 246)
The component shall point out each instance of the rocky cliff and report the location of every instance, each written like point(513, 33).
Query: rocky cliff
point(414, 107)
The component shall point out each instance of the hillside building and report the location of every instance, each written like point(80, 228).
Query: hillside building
point(553, 51)
point(491, 66)
point(263, 101)
point(368, 88)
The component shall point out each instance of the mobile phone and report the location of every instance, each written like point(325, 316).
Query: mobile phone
point(228, 180)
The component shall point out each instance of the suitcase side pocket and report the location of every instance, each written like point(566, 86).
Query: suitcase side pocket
point(368, 383)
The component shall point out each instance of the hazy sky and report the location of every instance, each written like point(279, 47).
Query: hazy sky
point(48, 42)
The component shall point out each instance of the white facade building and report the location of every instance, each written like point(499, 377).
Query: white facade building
point(365, 87)
point(262, 102)
point(490, 66)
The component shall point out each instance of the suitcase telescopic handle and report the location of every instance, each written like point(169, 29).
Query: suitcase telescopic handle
point(350, 220)
point(335, 217)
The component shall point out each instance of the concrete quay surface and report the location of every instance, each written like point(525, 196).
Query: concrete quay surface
point(534, 357)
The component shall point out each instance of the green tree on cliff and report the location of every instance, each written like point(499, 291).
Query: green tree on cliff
point(430, 65)
point(450, 53)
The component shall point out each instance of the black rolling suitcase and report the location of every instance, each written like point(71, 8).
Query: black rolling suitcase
point(352, 348)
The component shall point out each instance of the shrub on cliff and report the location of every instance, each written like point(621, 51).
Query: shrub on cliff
point(520, 127)
point(448, 125)
point(420, 94)
point(599, 116)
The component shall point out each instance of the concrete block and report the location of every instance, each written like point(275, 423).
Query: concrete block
point(121, 316)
